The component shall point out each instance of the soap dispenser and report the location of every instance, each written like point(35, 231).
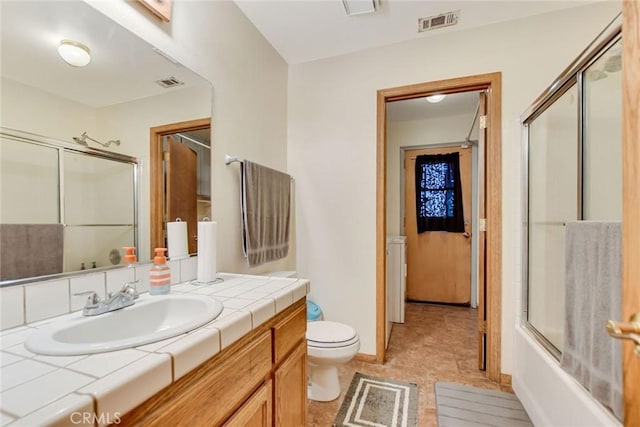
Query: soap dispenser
point(160, 276)
point(130, 255)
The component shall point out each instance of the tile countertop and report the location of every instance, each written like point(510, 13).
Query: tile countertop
point(62, 390)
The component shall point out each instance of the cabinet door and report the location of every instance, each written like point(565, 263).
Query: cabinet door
point(290, 389)
point(255, 412)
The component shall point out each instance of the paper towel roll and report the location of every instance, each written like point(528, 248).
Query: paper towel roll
point(177, 239)
point(207, 251)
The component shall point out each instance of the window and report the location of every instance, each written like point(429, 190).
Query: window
point(439, 193)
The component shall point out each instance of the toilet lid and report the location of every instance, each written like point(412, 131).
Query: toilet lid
point(330, 334)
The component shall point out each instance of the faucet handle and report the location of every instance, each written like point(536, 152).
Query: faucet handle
point(130, 289)
point(92, 299)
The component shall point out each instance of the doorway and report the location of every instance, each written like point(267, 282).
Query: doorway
point(489, 211)
point(180, 178)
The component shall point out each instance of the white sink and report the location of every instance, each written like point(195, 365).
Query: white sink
point(150, 319)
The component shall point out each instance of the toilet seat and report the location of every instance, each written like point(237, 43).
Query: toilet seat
point(327, 334)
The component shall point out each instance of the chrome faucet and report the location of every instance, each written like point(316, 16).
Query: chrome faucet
point(121, 299)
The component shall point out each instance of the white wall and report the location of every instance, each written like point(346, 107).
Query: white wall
point(332, 145)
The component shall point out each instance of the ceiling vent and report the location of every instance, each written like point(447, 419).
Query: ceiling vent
point(169, 82)
point(438, 21)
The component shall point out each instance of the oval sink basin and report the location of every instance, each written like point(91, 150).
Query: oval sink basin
point(150, 319)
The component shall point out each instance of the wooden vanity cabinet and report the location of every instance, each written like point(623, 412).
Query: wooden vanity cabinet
point(260, 380)
point(256, 411)
point(290, 373)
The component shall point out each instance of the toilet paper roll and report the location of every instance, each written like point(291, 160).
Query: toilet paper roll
point(207, 251)
point(177, 239)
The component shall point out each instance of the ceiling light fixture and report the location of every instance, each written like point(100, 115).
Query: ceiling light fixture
point(435, 98)
point(359, 7)
point(74, 53)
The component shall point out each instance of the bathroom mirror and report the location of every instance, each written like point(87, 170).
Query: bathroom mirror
point(127, 88)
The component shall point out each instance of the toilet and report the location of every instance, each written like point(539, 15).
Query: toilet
point(329, 344)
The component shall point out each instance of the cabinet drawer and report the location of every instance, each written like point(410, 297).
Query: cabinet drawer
point(289, 331)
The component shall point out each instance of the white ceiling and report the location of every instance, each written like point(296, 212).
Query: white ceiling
point(454, 104)
point(307, 30)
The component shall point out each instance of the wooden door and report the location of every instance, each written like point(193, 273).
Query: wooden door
point(182, 188)
point(631, 206)
point(290, 389)
point(438, 262)
point(255, 412)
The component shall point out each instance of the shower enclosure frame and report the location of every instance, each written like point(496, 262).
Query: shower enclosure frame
point(572, 75)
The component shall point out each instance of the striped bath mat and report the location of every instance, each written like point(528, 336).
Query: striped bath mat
point(464, 406)
point(379, 402)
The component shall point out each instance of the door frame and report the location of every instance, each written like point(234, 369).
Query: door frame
point(492, 83)
point(156, 173)
point(630, 201)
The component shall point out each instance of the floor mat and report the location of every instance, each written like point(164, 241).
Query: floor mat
point(465, 406)
point(372, 401)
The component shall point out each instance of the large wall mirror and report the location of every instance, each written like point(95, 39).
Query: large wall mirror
point(128, 88)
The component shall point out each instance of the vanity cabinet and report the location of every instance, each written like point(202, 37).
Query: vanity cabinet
point(260, 380)
point(256, 411)
point(290, 373)
point(290, 390)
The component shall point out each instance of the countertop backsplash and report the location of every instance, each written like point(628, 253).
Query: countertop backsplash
point(37, 301)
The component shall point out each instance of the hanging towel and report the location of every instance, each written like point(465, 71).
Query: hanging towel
point(266, 201)
point(28, 250)
point(593, 296)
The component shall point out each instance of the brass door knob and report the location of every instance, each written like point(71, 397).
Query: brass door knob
point(626, 330)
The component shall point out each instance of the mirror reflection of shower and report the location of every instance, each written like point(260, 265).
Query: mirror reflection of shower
point(82, 140)
point(611, 63)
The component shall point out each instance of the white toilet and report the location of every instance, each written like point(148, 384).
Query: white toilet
point(329, 344)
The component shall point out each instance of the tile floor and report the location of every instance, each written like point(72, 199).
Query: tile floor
point(436, 343)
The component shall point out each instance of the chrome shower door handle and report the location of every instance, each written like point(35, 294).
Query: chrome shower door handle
point(626, 331)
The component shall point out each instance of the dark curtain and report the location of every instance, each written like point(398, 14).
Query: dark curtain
point(439, 193)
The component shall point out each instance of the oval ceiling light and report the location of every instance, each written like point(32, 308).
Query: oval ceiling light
point(74, 53)
point(435, 98)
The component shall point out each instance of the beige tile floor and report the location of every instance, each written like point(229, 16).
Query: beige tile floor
point(436, 343)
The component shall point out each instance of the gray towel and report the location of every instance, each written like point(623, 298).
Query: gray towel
point(593, 296)
point(266, 200)
point(28, 250)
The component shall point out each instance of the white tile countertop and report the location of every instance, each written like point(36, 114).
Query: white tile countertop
point(66, 390)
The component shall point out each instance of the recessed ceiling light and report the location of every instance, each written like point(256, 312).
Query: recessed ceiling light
point(435, 98)
point(74, 53)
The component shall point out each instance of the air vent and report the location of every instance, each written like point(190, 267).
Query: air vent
point(169, 82)
point(438, 21)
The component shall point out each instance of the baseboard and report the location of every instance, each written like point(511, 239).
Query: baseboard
point(505, 382)
point(505, 379)
point(369, 358)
